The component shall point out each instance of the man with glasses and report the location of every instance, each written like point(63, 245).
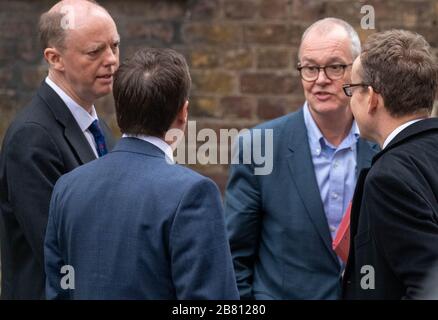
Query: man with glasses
point(394, 217)
point(281, 225)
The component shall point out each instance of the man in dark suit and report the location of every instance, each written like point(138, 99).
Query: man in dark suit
point(281, 223)
point(58, 131)
point(394, 218)
point(145, 228)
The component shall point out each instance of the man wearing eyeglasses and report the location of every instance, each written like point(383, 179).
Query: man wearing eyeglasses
point(394, 218)
point(281, 225)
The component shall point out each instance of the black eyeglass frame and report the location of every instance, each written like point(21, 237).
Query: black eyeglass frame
point(342, 65)
point(347, 86)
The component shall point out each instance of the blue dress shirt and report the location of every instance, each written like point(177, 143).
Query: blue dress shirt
point(335, 169)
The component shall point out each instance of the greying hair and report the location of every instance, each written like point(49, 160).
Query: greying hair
point(326, 24)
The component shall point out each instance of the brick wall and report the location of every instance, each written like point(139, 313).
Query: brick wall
point(242, 53)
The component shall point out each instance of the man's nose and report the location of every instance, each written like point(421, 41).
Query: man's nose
point(111, 57)
point(322, 77)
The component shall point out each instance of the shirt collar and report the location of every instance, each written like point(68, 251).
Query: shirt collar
point(398, 130)
point(159, 143)
point(318, 142)
point(82, 117)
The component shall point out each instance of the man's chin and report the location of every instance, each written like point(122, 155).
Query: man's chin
point(102, 92)
point(326, 107)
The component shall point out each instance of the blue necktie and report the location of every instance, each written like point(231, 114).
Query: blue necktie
point(98, 137)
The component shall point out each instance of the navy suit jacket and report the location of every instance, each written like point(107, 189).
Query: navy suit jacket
point(279, 235)
point(394, 220)
point(133, 226)
point(42, 143)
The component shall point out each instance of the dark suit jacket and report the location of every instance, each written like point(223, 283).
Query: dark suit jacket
point(279, 235)
point(394, 218)
point(136, 227)
point(41, 144)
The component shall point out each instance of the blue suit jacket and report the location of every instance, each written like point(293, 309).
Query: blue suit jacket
point(279, 235)
point(135, 227)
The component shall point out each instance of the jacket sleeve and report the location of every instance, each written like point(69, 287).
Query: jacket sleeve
point(243, 216)
point(33, 164)
point(53, 261)
point(199, 251)
point(405, 228)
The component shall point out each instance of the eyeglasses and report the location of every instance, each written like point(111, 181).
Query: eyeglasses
point(348, 88)
point(332, 72)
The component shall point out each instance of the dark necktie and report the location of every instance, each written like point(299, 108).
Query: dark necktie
point(98, 137)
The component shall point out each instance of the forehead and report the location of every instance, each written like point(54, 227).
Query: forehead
point(323, 48)
point(94, 27)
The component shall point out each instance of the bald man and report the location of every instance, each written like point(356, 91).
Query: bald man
point(58, 131)
point(281, 225)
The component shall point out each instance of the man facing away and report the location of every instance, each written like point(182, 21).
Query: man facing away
point(58, 131)
point(394, 218)
point(281, 225)
point(145, 228)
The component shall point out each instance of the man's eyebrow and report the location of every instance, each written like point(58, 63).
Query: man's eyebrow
point(309, 61)
point(329, 61)
point(96, 46)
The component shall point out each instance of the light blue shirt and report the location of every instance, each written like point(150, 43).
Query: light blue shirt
point(335, 169)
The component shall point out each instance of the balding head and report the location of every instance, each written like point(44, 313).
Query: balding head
point(65, 16)
point(328, 26)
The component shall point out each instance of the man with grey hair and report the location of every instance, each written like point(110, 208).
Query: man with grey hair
point(57, 132)
point(394, 217)
point(281, 225)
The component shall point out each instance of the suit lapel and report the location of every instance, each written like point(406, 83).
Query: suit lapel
point(303, 174)
point(365, 154)
point(72, 131)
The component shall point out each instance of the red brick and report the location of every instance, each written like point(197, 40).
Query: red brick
point(213, 82)
point(267, 83)
point(274, 9)
point(240, 9)
point(33, 76)
point(238, 107)
point(237, 59)
point(266, 34)
point(201, 106)
point(204, 58)
point(273, 107)
point(275, 58)
point(146, 10)
point(162, 32)
point(215, 34)
point(204, 10)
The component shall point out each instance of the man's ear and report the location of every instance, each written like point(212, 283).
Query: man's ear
point(54, 58)
point(373, 100)
point(183, 113)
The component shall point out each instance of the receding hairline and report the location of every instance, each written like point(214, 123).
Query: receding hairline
point(326, 26)
point(52, 20)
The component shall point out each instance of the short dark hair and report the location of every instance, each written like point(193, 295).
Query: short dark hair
point(150, 88)
point(400, 66)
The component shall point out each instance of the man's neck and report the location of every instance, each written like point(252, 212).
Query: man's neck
point(334, 127)
point(390, 124)
point(61, 83)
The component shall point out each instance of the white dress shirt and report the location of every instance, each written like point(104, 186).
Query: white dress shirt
point(399, 129)
point(159, 143)
point(82, 117)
